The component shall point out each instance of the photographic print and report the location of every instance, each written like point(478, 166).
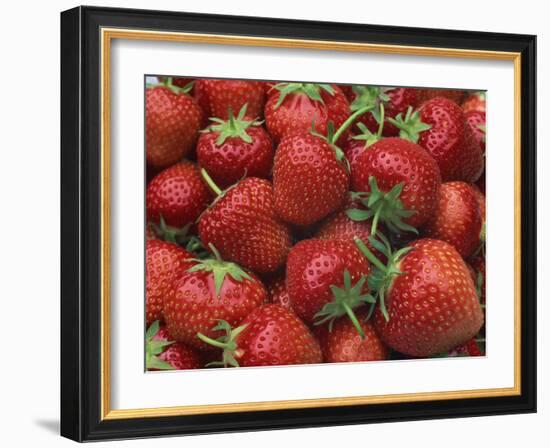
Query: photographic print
point(305, 223)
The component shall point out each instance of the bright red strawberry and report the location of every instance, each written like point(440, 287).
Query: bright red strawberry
point(172, 122)
point(176, 197)
point(477, 122)
point(343, 344)
point(440, 127)
point(219, 96)
point(163, 353)
point(474, 101)
point(326, 280)
point(271, 335)
point(210, 290)
point(454, 95)
point(233, 148)
point(400, 182)
point(241, 223)
point(293, 108)
point(428, 301)
point(278, 292)
point(163, 263)
point(457, 219)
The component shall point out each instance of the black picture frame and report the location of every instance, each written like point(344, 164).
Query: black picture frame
point(81, 213)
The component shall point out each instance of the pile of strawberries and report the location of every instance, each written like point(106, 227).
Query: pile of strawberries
point(296, 223)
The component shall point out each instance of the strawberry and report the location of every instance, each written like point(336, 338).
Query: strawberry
point(427, 299)
point(339, 226)
point(219, 96)
point(440, 127)
point(175, 199)
point(457, 219)
point(163, 262)
point(477, 123)
point(233, 148)
point(398, 182)
point(163, 353)
point(292, 108)
point(326, 280)
point(469, 348)
point(474, 101)
point(243, 225)
point(172, 122)
point(179, 82)
point(278, 292)
point(344, 344)
point(210, 290)
point(454, 95)
point(271, 335)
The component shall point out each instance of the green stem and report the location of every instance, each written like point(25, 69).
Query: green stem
point(349, 121)
point(370, 256)
point(376, 217)
point(354, 320)
point(213, 342)
point(215, 252)
point(381, 124)
point(210, 182)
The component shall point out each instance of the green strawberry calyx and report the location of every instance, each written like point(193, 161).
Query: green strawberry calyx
point(345, 300)
point(381, 206)
point(312, 91)
point(169, 83)
point(366, 135)
point(383, 275)
point(227, 342)
point(170, 233)
point(372, 97)
point(220, 269)
point(410, 126)
point(154, 348)
point(234, 127)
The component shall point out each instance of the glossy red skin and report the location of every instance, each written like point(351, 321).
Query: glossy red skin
point(313, 266)
point(229, 162)
point(352, 150)
point(178, 194)
point(475, 119)
point(474, 101)
point(194, 307)
point(478, 265)
point(400, 99)
point(244, 228)
point(217, 96)
point(172, 123)
point(454, 95)
point(178, 355)
point(457, 219)
point(309, 182)
point(450, 141)
point(275, 336)
point(433, 307)
point(296, 113)
point(278, 292)
point(344, 344)
point(339, 226)
point(163, 263)
point(394, 160)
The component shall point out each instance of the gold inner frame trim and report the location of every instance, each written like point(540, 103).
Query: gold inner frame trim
point(107, 35)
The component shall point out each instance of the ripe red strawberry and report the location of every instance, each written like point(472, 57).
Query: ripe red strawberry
point(428, 302)
point(396, 100)
point(210, 290)
point(440, 127)
point(242, 224)
point(401, 183)
point(293, 108)
point(163, 263)
point(163, 353)
point(339, 226)
point(218, 96)
point(176, 197)
point(172, 122)
point(271, 335)
point(278, 292)
point(477, 122)
point(457, 219)
point(326, 280)
point(233, 148)
point(474, 101)
point(454, 95)
point(344, 344)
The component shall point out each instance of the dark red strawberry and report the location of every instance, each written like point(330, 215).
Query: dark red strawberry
point(163, 263)
point(278, 292)
point(348, 91)
point(326, 280)
point(172, 122)
point(470, 348)
point(210, 290)
point(218, 96)
point(400, 183)
point(476, 121)
point(271, 335)
point(457, 219)
point(243, 226)
point(478, 265)
point(176, 197)
point(428, 301)
point(293, 108)
point(163, 353)
point(454, 95)
point(474, 101)
point(233, 148)
point(440, 127)
point(344, 344)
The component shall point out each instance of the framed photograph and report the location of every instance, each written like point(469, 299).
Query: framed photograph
point(278, 224)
